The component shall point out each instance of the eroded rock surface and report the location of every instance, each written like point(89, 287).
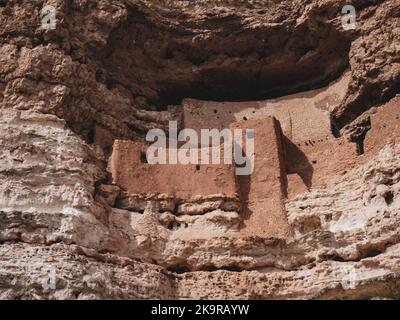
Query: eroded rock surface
point(114, 69)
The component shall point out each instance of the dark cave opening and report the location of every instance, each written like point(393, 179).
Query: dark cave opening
point(234, 89)
point(389, 198)
point(164, 65)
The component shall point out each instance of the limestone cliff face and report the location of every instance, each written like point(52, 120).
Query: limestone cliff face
point(113, 69)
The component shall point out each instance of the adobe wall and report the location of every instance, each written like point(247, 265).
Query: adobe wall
point(264, 192)
point(385, 127)
point(304, 116)
point(319, 163)
point(314, 155)
point(181, 182)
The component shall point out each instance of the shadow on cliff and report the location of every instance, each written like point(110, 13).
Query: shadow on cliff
point(244, 183)
point(298, 163)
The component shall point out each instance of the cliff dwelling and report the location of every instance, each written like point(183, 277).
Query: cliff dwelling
point(295, 149)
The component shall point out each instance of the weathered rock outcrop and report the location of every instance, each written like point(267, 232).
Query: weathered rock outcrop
point(113, 69)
